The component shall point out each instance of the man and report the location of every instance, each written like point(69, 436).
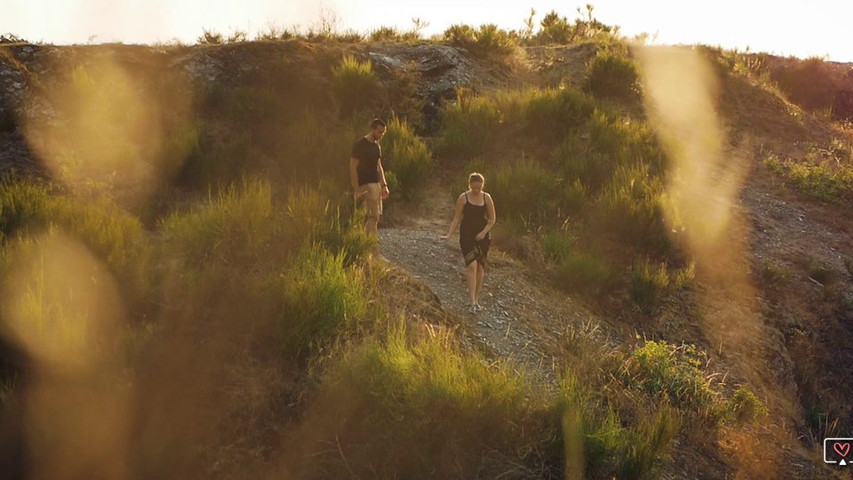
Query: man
point(367, 176)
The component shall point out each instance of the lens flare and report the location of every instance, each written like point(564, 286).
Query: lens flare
point(680, 91)
point(117, 127)
point(64, 310)
point(681, 88)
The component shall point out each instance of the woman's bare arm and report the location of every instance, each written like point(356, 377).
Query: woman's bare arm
point(490, 213)
point(457, 216)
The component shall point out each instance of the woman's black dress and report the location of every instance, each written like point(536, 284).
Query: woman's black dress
point(473, 222)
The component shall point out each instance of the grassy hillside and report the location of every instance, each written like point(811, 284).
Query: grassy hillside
point(184, 280)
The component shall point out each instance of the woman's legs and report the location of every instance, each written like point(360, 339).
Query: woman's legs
point(481, 273)
point(471, 276)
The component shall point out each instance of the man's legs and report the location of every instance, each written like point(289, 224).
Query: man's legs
point(373, 204)
point(372, 226)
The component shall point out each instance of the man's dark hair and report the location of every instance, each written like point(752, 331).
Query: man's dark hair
point(376, 123)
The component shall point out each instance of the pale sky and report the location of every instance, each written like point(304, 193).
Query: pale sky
point(784, 27)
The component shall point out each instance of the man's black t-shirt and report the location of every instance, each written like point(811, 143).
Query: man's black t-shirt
point(368, 154)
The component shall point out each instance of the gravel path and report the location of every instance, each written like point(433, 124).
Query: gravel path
point(522, 321)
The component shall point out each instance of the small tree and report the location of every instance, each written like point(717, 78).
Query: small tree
point(555, 29)
point(210, 37)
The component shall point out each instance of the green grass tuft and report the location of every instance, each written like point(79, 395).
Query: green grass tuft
point(319, 298)
point(824, 174)
point(400, 408)
point(745, 407)
point(355, 84)
point(406, 155)
point(612, 74)
point(584, 272)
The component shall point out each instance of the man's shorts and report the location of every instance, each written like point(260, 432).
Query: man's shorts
point(371, 197)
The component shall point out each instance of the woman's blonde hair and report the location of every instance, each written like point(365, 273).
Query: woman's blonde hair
point(476, 177)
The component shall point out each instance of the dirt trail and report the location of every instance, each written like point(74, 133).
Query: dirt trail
point(522, 319)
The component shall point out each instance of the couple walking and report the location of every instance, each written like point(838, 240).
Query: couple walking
point(474, 213)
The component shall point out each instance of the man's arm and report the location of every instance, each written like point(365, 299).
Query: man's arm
point(353, 173)
point(382, 181)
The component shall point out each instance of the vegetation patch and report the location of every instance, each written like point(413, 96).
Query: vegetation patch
point(824, 174)
point(400, 408)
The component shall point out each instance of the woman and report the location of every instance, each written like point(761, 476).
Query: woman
point(475, 216)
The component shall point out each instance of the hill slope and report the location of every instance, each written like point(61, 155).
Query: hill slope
point(770, 303)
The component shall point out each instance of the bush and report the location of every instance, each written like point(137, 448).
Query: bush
point(182, 147)
point(61, 306)
point(675, 374)
point(808, 84)
point(392, 35)
point(826, 179)
point(612, 75)
point(611, 144)
point(312, 218)
point(551, 115)
point(319, 298)
point(745, 407)
point(23, 205)
point(274, 33)
point(112, 234)
point(648, 284)
point(251, 104)
point(393, 185)
point(460, 35)
point(407, 156)
point(554, 29)
point(469, 126)
point(403, 99)
point(9, 38)
point(600, 444)
point(525, 190)
point(233, 228)
point(210, 37)
point(571, 198)
point(490, 38)
point(649, 442)
point(558, 30)
point(354, 84)
point(583, 272)
point(425, 409)
point(557, 245)
point(476, 125)
point(631, 209)
point(487, 39)
point(240, 228)
point(222, 162)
